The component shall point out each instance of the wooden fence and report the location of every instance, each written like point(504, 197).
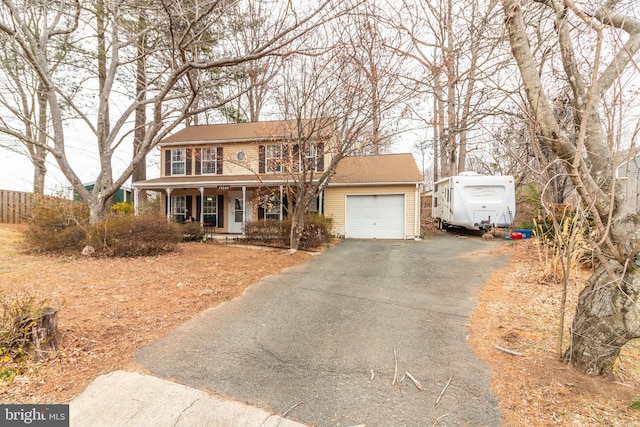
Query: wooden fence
point(14, 205)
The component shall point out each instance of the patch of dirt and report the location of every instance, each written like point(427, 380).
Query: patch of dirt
point(520, 312)
point(108, 308)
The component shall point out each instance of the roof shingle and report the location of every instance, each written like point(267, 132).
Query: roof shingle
point(384, 168)
point(252, 131)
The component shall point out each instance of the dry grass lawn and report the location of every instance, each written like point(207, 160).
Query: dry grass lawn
point(108, 308)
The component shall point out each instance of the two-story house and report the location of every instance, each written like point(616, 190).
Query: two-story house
point(226, 175)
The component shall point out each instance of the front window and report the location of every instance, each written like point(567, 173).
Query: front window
point(208, 161)
point(179, 208)
point(178, 161)
point(310, 157)
point(272, 208)
point(210, 209)
point(274, 158)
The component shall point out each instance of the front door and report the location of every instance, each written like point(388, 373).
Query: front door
point(239, 211)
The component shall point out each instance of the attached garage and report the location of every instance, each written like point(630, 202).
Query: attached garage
point(375, 216)
point(375, 197)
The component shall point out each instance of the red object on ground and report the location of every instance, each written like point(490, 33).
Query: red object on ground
point(516, 236)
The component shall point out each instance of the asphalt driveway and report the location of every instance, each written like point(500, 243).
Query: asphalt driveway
point(317, 341)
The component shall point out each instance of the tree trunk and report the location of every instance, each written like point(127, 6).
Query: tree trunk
point(139, 133)
point(606, 319)
point(303, 199)
point(607, 316)
point(45, 336)
point(39, 174)
point(297, 226)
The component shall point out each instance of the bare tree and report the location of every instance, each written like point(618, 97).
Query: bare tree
point(607, 314)
point(374, 48)
point(252, 81)
point(328, 99)
point(457, 46)
point(106, 57)
point(24, 121)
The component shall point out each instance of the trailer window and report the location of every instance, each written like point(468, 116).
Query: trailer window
point(435, 202)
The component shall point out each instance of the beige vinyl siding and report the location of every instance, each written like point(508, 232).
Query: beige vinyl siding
point(335, 200)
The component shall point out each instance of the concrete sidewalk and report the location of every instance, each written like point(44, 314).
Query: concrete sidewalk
point(133, 399)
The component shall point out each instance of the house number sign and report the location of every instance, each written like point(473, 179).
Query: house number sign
point(223, 187)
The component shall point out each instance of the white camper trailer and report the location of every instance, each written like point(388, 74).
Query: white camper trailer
point(474, 201)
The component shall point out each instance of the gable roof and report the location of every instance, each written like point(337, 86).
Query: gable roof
point(380, 169)
point(248, 132)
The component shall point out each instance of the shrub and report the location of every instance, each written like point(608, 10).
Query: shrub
point(123, 208)
point(18, 316)
point(129, 236)
point(61, 226)
point(323, 224)
point(57, 225)
point(191, 231)
point(316, 231)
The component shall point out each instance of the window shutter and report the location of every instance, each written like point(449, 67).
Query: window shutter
point(198, 215)
point(188, 162)
point(220, 210)
point(320, 155)
point(198, 156)
point(189, 212)
point(261, 159)
point(167, 162)
point(219, 160)
point(285, 206)
point(260, 212)
point(296, 158)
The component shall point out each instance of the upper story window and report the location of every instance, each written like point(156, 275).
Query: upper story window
point(208, 161)
point(178, 161)
point(273, 158)
point(309, 160)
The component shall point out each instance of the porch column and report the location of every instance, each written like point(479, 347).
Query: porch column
point(281, 193)
point(244, 207)
point(168, 190)
point(418, 211)
point(135, 201)
point(201, 207)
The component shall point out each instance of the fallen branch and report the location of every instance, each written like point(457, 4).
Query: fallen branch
point(506, 350)
point(291, 409)
point(443, 390)
point(415, 381)
point(439, 418)
point(395, 372)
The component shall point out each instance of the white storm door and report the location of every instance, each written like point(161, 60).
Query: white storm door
point(238, 211)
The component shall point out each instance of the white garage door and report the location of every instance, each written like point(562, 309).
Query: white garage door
point(378, 216)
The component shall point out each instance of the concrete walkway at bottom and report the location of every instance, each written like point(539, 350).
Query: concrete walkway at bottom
point(134, 399)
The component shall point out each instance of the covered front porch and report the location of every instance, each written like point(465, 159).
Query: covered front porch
point(222, 208)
